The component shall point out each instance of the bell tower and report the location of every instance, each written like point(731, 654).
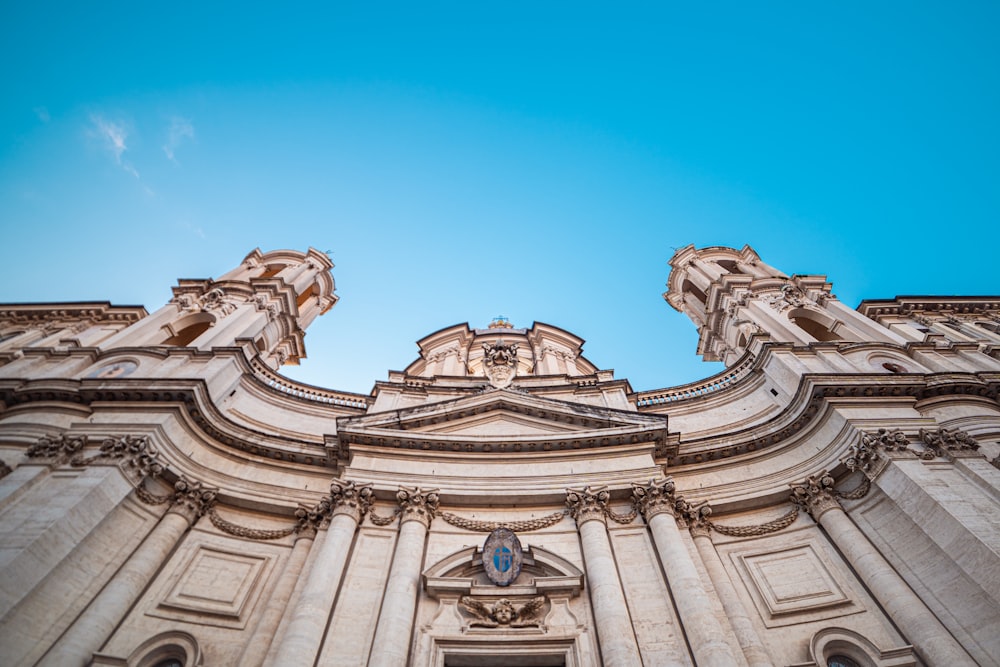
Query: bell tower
point(270, 299)
point(736, 300)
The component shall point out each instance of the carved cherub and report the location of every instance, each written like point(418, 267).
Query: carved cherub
point(504, 613)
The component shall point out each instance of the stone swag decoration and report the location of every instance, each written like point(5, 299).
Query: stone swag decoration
point(500, 363)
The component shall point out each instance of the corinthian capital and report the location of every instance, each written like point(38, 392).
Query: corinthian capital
point(351, 498)
point(695, 517)
point(815, 495)
point(655, 497)
point(191, 498)
point(867, 454)
point(417, 505)
point(588, 503)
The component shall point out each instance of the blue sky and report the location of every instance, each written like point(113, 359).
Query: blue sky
point(461, 162)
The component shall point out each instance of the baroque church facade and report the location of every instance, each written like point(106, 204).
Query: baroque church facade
point(831, 499)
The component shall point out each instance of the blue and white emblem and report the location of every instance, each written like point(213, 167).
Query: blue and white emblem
point(502, 556)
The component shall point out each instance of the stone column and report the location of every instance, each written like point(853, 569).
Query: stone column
point(395, 621)
point(749, 641)
point(264, 632)
point(614, 625)
point(106, 611)
point(921, 628)
point(657, 503)
point(303, 637)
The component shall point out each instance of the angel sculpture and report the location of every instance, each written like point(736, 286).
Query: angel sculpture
point(504, 613)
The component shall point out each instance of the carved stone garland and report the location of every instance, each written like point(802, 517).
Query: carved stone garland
point(517, 526)
point(414, 503)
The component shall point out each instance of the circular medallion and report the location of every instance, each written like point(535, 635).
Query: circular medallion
point(118, 369)
point(502, 556)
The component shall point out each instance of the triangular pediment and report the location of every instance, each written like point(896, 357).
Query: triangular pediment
point(502, 415)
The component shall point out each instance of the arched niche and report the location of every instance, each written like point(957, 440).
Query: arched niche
point(185, 330)
point(820, 326)
point(170, 647)
point(831, 643)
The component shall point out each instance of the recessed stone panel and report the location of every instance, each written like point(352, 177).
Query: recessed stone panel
point(793, 584)
point(215, 586)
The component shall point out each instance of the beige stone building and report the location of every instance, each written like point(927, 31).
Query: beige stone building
point(832, 498)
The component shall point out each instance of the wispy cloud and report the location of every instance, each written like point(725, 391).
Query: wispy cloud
point(112, 134)
point(179, 130)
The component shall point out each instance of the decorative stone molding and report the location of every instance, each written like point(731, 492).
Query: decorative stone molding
point(56, 449)
point(816, 495)
point(588, 503)
point(417, 505)
point(948, 442)
point(351, 498)
point(192, 499)
point(867, 455)
point(137, 457)
point(655, 497)
point(504, 613)
point(516, 526)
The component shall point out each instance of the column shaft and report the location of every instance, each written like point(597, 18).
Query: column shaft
point(263, 633)
point(302, 639)
point(392, 634)
point(693, 604)
point(614, 625)
point(746, 635)
point(921, 627)
point(95, 625)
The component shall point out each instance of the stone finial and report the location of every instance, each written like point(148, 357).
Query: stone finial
point(417, 505)
point(867, 455)
point(191, 498)
point(815, 495)
point(351, 498)
point(588, 503)
point(655, 497)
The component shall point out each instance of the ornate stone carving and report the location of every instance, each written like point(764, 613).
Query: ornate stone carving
point(192, 499)
point(588, 503)
point(311, 519)
point(947, 442)
point(500, 363)
point(504, 613)
point(655, 497)
point(815, 495)
point(866, 454)
point(351, 498)
point(695, 517)
point(57, 449)
point(139, 459)
point(417, 505)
